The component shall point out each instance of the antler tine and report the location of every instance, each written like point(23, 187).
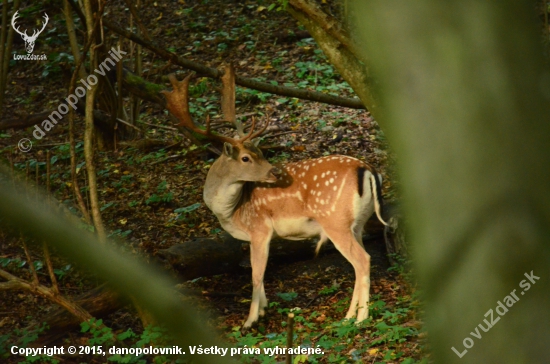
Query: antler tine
point(16, 28)
point(45, 23)
point(261, 131)
point(177, 102)
point(247, 136)
point(251, 135)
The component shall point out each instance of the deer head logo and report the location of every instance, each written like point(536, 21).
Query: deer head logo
point(29, 40)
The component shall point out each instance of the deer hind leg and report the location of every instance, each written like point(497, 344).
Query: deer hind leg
point(358, 232)
point(259, 251)
point(263, 301)
point(347, 244)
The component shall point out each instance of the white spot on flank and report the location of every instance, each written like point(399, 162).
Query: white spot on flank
point(335, 187)
point(323, 175)
point(327, 183)
point(315, 178)
point(331, 180)
point(317, 185)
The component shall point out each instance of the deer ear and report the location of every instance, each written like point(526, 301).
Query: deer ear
point(227, 149)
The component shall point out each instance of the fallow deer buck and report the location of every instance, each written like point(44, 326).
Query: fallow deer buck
point(331, 197)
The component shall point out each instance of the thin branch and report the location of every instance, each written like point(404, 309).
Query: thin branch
point(14, 282)
point(128, 124)
point(167, 158)
point(281, 133)
point(325, 21)
point(55, 288)
point(133, 10)
point(242, 81)
point(95, 212)
point(30, 262)
point(158, 126)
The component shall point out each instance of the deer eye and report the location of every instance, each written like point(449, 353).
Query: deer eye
point(245, 159)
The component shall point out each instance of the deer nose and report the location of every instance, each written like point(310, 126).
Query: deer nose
point(276, 172)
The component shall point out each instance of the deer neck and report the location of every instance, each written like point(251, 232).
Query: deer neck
point(222, 194)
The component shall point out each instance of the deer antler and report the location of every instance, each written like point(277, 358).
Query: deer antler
point(251, 135)
point(43, 26)
point(15, 16)
point(35, 32)
point(177, 102)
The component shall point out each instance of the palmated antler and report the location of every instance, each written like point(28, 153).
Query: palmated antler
point(177, 102)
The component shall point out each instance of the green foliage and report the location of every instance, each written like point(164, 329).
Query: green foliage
point(120, 233)
point(154, 155)
point(23, 338)
point(55, 60)
point(188, 209)
point(342, 341)
point(101, 335)
point(162, 195)
point(279, 5)
point(329, 290)
point(289, 296)
point(61, 272)
point(7, 262)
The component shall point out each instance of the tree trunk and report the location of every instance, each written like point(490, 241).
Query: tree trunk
point(465, 106)
point(338, 48)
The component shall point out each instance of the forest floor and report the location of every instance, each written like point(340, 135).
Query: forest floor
point(143, 190)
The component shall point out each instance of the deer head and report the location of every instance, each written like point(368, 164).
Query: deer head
point(29, 39)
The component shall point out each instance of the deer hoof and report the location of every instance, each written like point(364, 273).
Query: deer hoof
point(248, 327)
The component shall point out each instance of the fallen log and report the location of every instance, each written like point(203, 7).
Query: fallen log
point(99, 302)
point(203, 257)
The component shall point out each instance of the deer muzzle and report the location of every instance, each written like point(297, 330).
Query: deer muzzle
point(274, 174)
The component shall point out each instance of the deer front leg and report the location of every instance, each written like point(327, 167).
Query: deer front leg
point(259, 251)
